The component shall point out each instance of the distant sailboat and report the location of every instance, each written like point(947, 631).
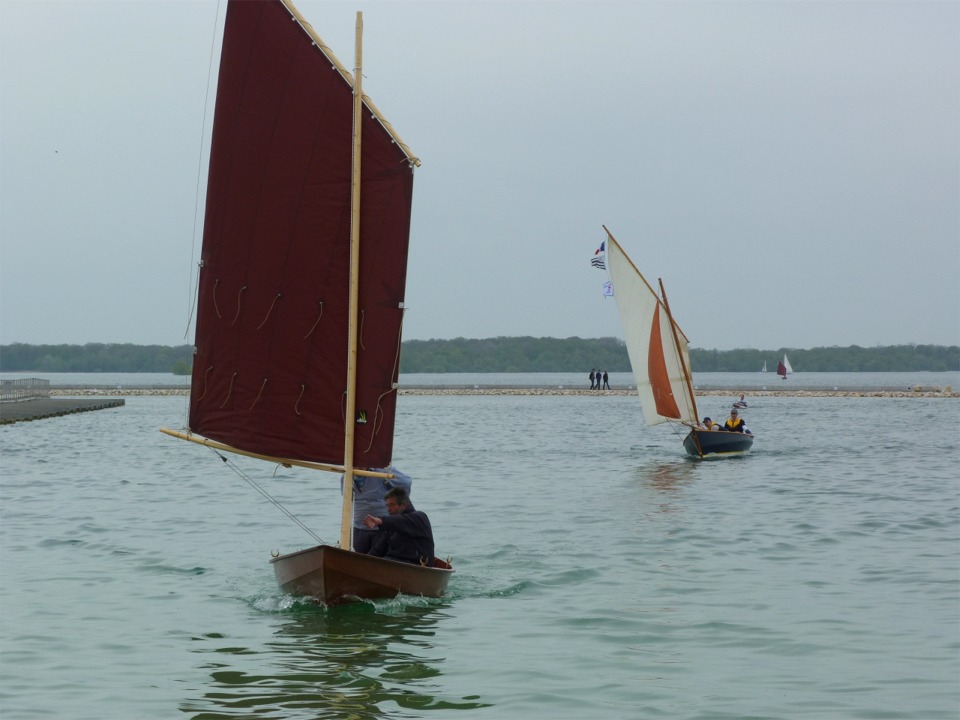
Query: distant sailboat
point(783, 367)
point(660, 359)
point(764, 366)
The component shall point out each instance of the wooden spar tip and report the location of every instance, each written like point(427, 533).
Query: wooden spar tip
point(642, 277)
point(348, 76)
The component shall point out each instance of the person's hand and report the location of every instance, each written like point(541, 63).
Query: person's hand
point(371, 522)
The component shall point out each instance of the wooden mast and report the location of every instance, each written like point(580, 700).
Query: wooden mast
point(683, 364)
point(346, 515)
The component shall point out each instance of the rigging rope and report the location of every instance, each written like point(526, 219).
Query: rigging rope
point(192, 304)
point(239, 303)
point(276, 297)
point(320, 304)
point(677, 431)
point(229, 391)
point(256, 486)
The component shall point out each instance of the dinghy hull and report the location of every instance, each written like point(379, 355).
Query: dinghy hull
point(717, 444)
point(336, 576)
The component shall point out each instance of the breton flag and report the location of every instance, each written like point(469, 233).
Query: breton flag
point(608, 289)
point(598, 256)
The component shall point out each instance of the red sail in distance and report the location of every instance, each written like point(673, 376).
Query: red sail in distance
point(659, 377)
point(782, 370)
point(270, 370)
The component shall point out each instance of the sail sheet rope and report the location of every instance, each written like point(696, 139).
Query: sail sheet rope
point(276, 503)
point(678, 429)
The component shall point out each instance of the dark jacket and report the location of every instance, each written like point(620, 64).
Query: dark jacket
point(734, 425)
point(406, 537)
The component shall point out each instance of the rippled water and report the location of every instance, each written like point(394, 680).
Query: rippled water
point(599, 572)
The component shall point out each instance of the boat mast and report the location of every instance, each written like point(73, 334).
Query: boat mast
point(346, 516)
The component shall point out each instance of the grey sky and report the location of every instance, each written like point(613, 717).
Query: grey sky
point(790, 169)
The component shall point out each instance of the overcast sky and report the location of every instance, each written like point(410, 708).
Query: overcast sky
point(790, 169)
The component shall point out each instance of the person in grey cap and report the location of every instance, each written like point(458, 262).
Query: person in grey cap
point(734, 423)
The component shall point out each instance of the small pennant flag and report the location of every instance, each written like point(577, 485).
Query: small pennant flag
point(602, 247)
point(608, 289)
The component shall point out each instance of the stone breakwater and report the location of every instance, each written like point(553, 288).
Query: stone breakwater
point(491, 390)
point(42, 408)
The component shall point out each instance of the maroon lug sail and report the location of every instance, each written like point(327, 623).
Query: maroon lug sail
point(270, 370)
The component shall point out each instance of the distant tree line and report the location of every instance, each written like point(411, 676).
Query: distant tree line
point(501, 354)
point(529, 354)
point(891, 358)
point(513, 355)
point(96, 357)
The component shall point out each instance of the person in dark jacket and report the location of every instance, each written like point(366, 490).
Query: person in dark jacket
point(369, 494)
point(405, 533)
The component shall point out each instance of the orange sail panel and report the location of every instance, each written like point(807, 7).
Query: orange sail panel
point(659, 376)
point(270, 370)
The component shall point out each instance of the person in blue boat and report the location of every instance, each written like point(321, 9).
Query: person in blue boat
point(405, 532)
point(735, 423)
point(369, 498)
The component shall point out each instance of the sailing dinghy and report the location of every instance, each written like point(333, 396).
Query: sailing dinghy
point(660, 358)
point(301, 285)
point(783, 367)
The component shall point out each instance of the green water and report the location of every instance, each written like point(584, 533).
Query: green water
point(600, 574)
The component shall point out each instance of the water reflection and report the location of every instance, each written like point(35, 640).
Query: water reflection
point(664, 485)
point(351, 663)
point(667, 477)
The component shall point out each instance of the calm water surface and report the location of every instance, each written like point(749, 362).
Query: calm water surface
point(599, 572)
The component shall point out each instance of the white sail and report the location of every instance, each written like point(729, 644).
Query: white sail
point(786, 364)
point(764, 366)
point(659, 365)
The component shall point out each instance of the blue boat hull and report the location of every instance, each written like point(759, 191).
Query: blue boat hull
point(717, 443)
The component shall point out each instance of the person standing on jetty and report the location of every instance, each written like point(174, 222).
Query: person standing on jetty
point(592, 376)
point(606, 380)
